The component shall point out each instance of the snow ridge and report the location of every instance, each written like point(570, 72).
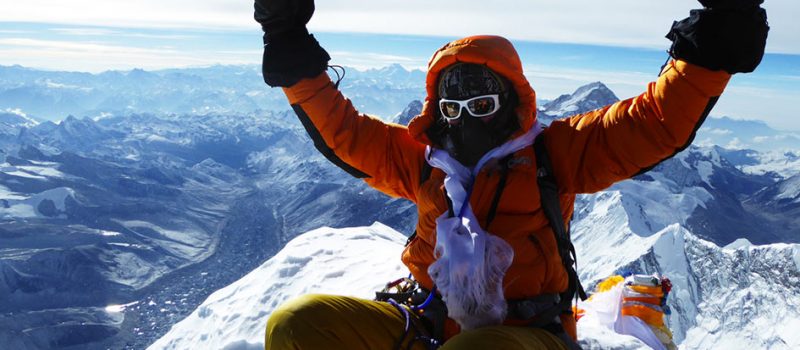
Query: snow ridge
point(585, 98)
point(325, 260)
point(745, 297)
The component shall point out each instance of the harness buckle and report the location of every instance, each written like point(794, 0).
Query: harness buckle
point(530, 308)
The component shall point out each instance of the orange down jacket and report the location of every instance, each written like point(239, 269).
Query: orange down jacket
point(589, 152)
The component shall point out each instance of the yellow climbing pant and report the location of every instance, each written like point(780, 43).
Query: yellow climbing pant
point(336, 322)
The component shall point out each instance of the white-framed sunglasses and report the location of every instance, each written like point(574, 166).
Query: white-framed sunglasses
point(479, 106)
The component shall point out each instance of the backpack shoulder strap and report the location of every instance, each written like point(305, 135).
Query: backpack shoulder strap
point(548, 192)
point(424, 175)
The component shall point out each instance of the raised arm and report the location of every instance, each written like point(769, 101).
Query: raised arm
point(384, 155)
point(592, 151)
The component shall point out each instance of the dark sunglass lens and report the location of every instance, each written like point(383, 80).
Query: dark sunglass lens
point(450, 109)
point(481, 106)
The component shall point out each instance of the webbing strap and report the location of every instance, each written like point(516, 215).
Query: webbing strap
point(499, 191)
point(424, 175)
point(548, 192)
point(425, 172)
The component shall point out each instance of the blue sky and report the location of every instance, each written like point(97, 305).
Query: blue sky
point(562, 45)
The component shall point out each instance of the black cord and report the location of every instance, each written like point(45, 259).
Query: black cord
point(339, 77)
point(669, 57)
point(499, 191)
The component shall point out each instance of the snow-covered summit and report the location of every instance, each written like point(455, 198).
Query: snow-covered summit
point(585, 98)
point(12, 122)
point(789, 190)
point(16, 118)
point(350, 261)
point(413, 109)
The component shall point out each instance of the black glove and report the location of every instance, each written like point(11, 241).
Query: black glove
point(726, 34)
point(290, 52)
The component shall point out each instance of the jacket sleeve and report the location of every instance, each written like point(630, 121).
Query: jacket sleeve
point(592, 151)
point(383, 154)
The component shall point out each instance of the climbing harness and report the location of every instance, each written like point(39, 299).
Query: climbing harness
point(423, 312)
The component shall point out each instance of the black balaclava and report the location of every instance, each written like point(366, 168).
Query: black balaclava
point(470, 138)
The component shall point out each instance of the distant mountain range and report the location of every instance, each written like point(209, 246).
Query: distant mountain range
point(157, 211)
point(47, 95)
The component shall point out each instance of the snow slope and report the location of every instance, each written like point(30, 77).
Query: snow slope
point(783, 163)
point(738, 297)
point(585, 98)
point(48, 203)
point(351, 261)
point(641, 225)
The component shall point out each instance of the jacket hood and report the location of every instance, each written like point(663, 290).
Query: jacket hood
point(495, 52)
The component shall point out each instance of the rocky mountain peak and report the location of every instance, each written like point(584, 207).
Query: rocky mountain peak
point(586, 98)
point(412, 110)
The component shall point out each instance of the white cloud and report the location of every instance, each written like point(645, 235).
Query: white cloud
point(640, 23)
point(776, 107)
point(14, 31)
point(141, 13)
point(86, 31)
point(574, 21)
point(761, 139)
point(16, 111)
point(71, 46)
point(717, 131)
point(550, 82)
point(106, 32)
point(736, 143)
point(365, 60)
point(781, 137)
point(707, 142)
point(95, 57)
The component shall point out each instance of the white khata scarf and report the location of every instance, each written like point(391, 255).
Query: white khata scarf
point(471, 262)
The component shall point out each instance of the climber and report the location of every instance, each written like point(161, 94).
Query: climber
point(484, 248)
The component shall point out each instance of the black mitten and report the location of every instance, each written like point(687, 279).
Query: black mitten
point(726, 34)
point(290, 52)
